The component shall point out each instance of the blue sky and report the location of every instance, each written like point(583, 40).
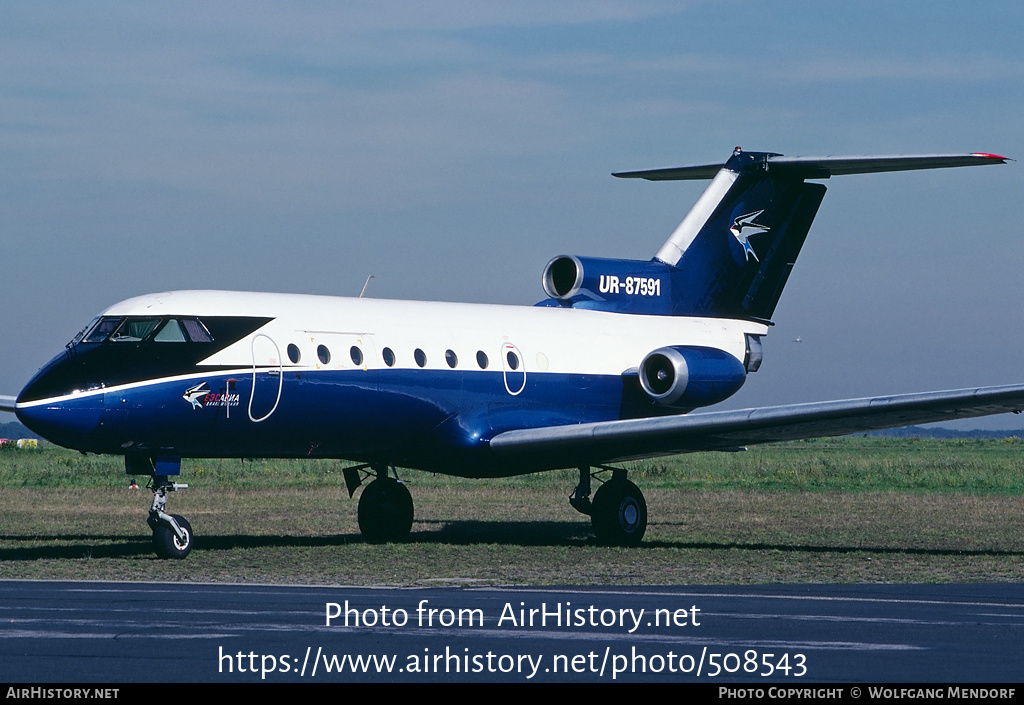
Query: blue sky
point(452, 148)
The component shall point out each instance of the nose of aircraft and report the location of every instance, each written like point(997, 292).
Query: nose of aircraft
point(69, 422)
point(53, 406)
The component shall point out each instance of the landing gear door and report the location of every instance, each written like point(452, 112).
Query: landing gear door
point(267, 378)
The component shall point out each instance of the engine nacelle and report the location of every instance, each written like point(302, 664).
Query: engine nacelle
point(690, 375)
point(618, 285)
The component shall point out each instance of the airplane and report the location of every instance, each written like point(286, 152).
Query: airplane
point(607, 369)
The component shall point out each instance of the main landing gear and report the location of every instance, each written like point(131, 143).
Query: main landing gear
point(618, 512)
point(172, 534)
point(385, 506)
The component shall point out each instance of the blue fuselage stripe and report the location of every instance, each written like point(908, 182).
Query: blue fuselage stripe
point(436, 420)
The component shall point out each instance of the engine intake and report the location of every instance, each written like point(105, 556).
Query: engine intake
point(563, 277)
point(690, 375)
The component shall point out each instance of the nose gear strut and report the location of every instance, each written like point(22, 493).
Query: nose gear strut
point(172, 534)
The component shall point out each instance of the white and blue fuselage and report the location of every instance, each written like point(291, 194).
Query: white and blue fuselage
point(419, 384)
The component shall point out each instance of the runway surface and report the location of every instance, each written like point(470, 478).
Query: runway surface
point(778, 635)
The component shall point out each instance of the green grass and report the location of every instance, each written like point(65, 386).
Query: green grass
point(840, 510)
point(840, 464)
point(855, 464)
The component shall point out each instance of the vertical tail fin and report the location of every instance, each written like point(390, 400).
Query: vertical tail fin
point(733, 252)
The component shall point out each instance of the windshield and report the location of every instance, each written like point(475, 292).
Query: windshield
point(135, 329)
point(102, 330)
point(81, 334)
point(131, 329)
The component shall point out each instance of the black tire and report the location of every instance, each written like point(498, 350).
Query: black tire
point(168, 545)
point(619, 514)
point(385, 511)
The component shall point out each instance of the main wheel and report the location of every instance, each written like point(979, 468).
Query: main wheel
point(385, 511)
point(166, 542)
point(619, 514)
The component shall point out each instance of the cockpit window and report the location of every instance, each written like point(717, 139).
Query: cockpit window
point(197, 332)
point(81, 334)
point(102, 330)
point(134, 329)
point(121, 329)
point(170, 332)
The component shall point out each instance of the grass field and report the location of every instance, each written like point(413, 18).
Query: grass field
point(838, 510)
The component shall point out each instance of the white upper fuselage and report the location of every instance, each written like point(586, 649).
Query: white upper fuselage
point(551, 340)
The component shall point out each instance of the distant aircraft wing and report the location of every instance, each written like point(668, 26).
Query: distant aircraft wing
point(609, 441)
point(7, 403)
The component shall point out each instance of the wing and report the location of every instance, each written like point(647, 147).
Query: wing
point(7, 403)
point(609, 441)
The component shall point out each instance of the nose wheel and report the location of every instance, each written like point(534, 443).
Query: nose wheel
point(172, 534)
point(168, 544)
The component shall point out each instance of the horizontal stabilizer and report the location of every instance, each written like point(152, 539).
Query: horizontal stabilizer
point(7, 403)
point(823, 167)
point(609, 441)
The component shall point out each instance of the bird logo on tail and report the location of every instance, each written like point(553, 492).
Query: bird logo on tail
point(746, 222)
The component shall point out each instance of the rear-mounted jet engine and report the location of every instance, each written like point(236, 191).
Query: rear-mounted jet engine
point(689, 376)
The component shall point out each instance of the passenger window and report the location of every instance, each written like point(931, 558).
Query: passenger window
point(451, 358)
point(170, 333)
point(481, 359)
point(323, 353)
point(513, 360)
point(389, 357)
point(356, 354)
point(294, 354)
point(420, 357)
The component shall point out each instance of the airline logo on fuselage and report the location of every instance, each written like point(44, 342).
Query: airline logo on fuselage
point(200, 396)
point(746, 223)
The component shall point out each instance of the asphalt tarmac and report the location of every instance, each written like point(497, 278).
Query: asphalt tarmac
point(771, 636)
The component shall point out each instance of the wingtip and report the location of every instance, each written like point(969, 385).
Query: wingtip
point(987, 155)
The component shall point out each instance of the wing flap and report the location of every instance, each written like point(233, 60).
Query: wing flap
point(610, 441)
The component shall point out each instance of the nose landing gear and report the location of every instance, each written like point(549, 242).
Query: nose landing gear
point(172, 534)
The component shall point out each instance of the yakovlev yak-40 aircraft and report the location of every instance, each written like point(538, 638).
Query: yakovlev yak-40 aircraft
point(605, 370)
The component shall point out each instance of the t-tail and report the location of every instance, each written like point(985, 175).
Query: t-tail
point(732, 254)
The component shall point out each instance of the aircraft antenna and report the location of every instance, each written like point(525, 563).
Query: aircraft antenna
point(366, 285)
